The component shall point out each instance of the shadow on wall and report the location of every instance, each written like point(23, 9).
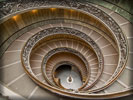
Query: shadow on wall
point(66, 98)
point(131, 49)
point(131, 10)
point(1, 64)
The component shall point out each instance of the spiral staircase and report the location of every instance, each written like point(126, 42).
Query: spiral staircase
point(57, 49)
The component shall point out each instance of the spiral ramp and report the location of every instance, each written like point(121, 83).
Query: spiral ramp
point(66, 51)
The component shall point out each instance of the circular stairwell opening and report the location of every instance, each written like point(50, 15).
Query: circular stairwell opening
point(69, 76)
